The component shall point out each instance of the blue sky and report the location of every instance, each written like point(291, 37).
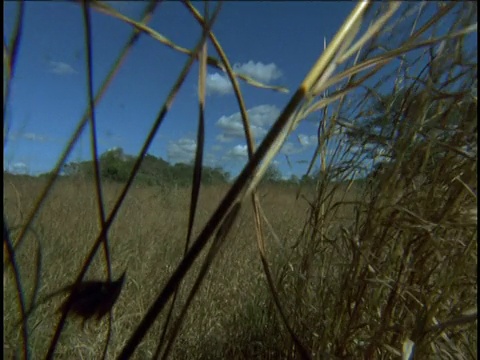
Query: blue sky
point(260, 38)
point(277, 43)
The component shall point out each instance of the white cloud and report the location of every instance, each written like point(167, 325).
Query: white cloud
point(28, 136)
point(19, 168)
point(261, 117)
point(262, 72)
point(224, 139)
point(218, 84)
point(238, 152)
point(289, 148)
point(34, 137)
point(61, 68)
point(233, 127)
point(210, 160)
point(308, 141)
point(181, 151)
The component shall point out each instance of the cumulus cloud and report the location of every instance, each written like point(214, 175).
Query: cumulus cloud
point(114, 148)
point(218, 84)
point(262, 72)
point(210, 160)
point(34, 137)
point(261, 117)
point(290, 148)
point(307, 141)
point(29, 136)
point(182, 150)
point(223, 138)
point(238, 152)
point(19, 168)
point(61, 68)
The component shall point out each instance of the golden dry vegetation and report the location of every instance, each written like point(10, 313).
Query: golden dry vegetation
point(356, 267)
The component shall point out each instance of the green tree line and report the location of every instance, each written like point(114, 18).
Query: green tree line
point(116, 166)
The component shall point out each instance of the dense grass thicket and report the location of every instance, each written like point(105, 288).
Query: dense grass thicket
point(384, 267)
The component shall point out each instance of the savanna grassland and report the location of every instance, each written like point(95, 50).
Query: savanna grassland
point(318, 279)
point(375, 259)
point(147, 239)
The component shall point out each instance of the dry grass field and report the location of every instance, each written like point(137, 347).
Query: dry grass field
point(232, 315)
point(375, 259)
point(147, 239)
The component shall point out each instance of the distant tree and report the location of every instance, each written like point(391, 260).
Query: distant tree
point(116, 166)
point(71, 169)
point(154, 171)
point(214, 176)
point(272, 175)
point(307, 180)
point(294, 179)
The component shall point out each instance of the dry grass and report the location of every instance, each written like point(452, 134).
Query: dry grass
point(351, 270)
point(147, 239)
point(232, 314)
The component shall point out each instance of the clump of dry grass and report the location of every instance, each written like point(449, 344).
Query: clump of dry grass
point(354, 269)
point(391, 274)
